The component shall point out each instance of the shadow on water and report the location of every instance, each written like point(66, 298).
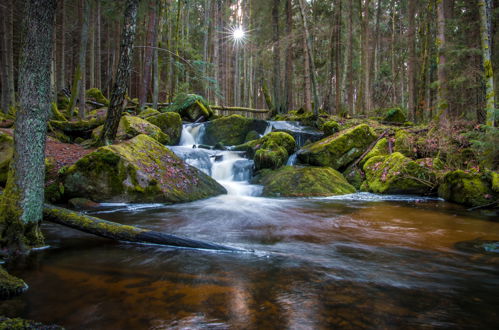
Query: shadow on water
point(351, 262)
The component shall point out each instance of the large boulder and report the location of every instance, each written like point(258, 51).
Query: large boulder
point(397, 174)
point(232, 130)
point(292, 181)
point(339, 150)
point(191, 107)
point(6, 152)
point(131, 126)
point(137, 170)
point(270, 151)
point(170, 123)
point(379, 149)
point(469, 188)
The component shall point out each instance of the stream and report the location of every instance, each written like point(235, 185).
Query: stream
point(354, 261)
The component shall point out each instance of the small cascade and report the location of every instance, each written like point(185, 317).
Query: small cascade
point(302, 134)
point(292, 160)
point(229, 168)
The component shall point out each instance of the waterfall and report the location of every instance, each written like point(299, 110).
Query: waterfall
point(192, 134)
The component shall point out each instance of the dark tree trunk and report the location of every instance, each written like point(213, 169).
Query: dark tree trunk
point(288, 80)
point(148, 53)
point(82, 57)
point(22, 202)
point(276, 68)
point(411, 67)
point(117, 103)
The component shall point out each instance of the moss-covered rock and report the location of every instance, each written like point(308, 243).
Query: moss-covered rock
point(138, 170)
point(148, 112)
point(395, 116)
point(330, 127)
point(131, 126)
point(170, 123)
point(6, 153)
point(405, 143)
point(252, 135)
point(270, 151)
point(495, 182)
point(10, 286)
point(397, 174)
point(355, 176)
point(6, 121)
point(95, 94)
point(379, 149)
point(22, 324)
point(232, 130)
point(468, 188)
point(191, 107)
point(62, 101)
point(292, 181)
point(339, 150)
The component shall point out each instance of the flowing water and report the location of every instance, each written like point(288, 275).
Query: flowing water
point(355, 261)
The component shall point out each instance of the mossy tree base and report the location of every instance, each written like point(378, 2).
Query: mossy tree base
point(10, 286)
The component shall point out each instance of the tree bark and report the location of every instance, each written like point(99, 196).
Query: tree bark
point(276, 57)
point(288, 73)
point(61, 80)
point(411, 64)
point(117, 102)
point(98, 52)
point(350, 59)
point(485, 7)
point(442, 102)
point(116, 231)
point(82, 58)
point(148, 53)
point(22, 202)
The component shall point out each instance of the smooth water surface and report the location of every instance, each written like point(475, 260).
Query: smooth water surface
point(358, 261)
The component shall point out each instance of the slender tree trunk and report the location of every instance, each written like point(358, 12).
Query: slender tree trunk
point(82, 58)
point(442, 103)
point(366, 50)
point(3, 66)
point(350, 59)
point(485, 30)
point(276, 68)
point(91, 45)
point(117, 103)
point(338, 48)
point(98, 52)
point(148, 53)
point(61, 80)
point(10, 95)
point(411, 65)
point(308, 50)
point(288, 80)
point(21, 205)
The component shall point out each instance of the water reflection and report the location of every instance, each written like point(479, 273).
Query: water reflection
point(319, 263)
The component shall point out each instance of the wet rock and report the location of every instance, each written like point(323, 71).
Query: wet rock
point(10, 286)
point(138, 170)
point(170, 123)
point(355, 176)
point(191, 107)
point(22, 324)
point(292, 181)
point(397, 174)
point(232, 130)
point(6, 152)
point(131, 126)
point(339, 150)
point(469, 188)
point(380, 149)
point(270, 151)
point(148, 112)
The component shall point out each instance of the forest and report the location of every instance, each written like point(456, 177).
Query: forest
point(249, 164)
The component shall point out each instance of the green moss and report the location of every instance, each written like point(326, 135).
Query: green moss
point(330, 127)
point(397, 174)
point(148, 112)
point(495, 181)
point(339, 150)
point(380, 149)
point(137, 170)
point(395, 115)
point(252, 135)
point(290, 181)
point(405, 143)
point(96, 95)
point(231, 130)
point(467, 188)
point(355, 176)
point(6, 153)
point(62, 101)
point(170, 123)
point(191, 106)
point(21, 324)
point(10, 286)
point(270, 158)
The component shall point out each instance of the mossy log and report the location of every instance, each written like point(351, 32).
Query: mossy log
point(116, 231)
point(221, 107)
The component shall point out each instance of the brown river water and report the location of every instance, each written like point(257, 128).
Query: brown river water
point(354, 262)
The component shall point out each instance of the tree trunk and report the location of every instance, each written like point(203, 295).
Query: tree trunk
point(411, 65)
point(61, 79)
point(442, 103)
point(7, 21)
point(276, 67)
point(288, 80)
point(82, 58)
point(337, 64)
point(148, 53)
point(366, 51)
point(307, 93)
point(308, 50)
point(98, 52)
point(91, 45)
point(350, 59)
point(22, 202)
point(117, 102)
point(116, 231)
point(485, 31)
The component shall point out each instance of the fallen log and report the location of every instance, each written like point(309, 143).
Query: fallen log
point(221, 107)
point(116, 231)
